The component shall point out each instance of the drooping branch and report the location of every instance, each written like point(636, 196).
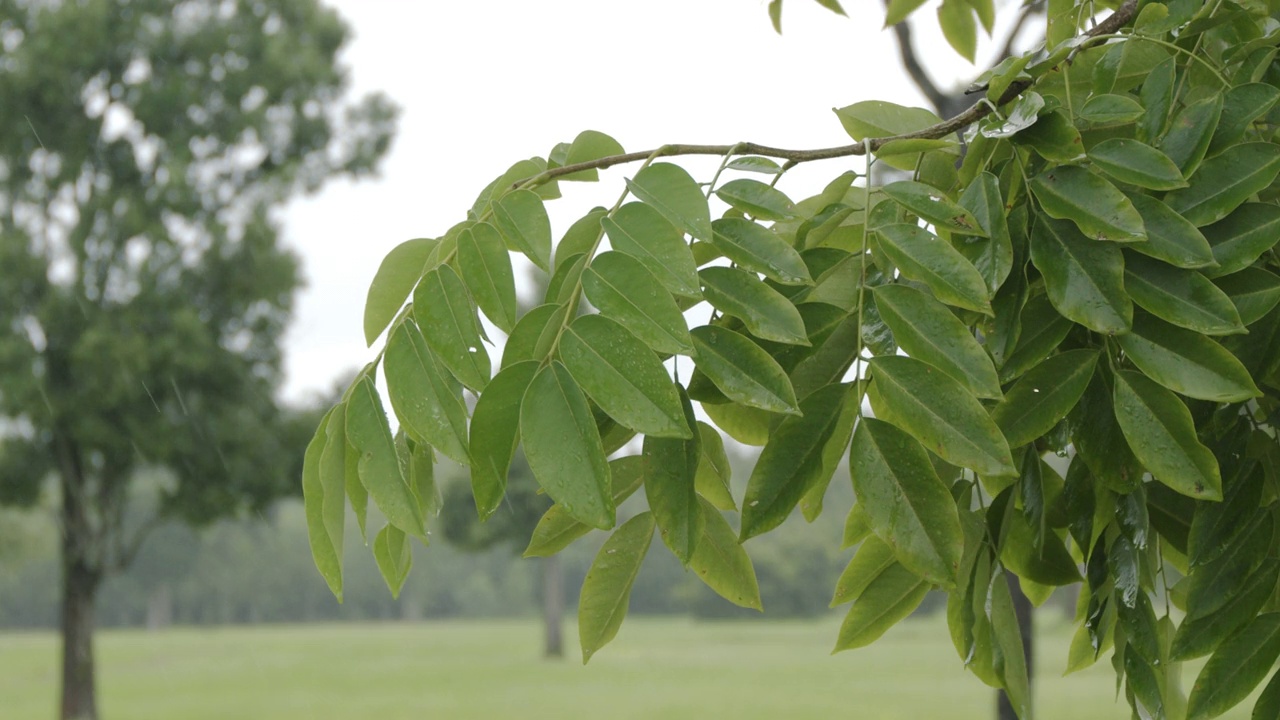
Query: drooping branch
point(976, 112)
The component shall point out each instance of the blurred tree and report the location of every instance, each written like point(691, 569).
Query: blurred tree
point(147, 143)
point(522, 507)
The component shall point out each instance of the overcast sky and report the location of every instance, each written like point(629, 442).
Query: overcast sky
point(484, 84)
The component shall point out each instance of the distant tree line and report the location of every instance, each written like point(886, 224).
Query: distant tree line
point(258, 569)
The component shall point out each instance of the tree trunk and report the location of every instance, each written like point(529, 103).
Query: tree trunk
point(79, 590)
point(1022, 609)
point(552, 606)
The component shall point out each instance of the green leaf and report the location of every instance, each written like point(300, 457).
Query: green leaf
point(1042, 560)
point(1157, 97)
point(1241, 106)
point(1083, 278)
point(558, 529)
point(643, 233)
point(379, 468)
point(922, 256)
point(625, 291)
point(872, 558)
point(563, 287)
point(1095, 206)
point(669, 190)
point(942, 415)
point(623, 376)
point(327, 554)
point(495, 430)
point(486, 268)
point(1020, 115)
point(563, 446)
point(1188, 137)
point(1240, 238)
point(1236, 668)
point(1268, 704)
point(743, 371)
point(993, 255)
point(755, 164)
point(1162, 435)
point(582, 237)
point(759, 249)
point(1253, 291)
point(878, 119)
point(606, 590)
point(1099, 441)
point(533, 334)
point(522, 220)
point(1217, 583)
point(896, 12)
point(933, 205)
point(1043, 330)
point(1011, 663)
point(775, 15)
point(721, 562)
point(1199, 636)
point(424, 396)
point(801, 453)
point(833, 6)
point(1042, 397)
point(1054, 137)
point(767, 313)
point(1225, 181)
point(357, 493)
point(756, 199)
point(1107, 109)
point(393, 282)
point(1186, 362)
point(955, 17)
point(908, 506)
point(587, 146)
point(928, 331)
point(671, 467)
point(714, 470)
point(333, 480)
point(1183, 297)
point(442, 307)
point(394, 557)
point(1170, 237)
point(1136, 163)
point(888, 599)
point(747, 425)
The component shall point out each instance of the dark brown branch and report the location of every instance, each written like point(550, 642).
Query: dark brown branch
point(920, 76)
point(1028, 11)
point(976, 112)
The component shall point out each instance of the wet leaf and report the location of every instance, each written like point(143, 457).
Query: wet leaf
point(606, 590)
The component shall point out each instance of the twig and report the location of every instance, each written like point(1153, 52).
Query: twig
point(977, 111)
point(1028, 10)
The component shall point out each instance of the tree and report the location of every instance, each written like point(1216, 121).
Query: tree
point(147, 144)
point(1081, 264)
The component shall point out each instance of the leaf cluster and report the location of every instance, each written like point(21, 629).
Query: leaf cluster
point(1051, 352)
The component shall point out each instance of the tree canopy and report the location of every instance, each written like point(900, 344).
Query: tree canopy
point(1043, 331)
point(144, 285)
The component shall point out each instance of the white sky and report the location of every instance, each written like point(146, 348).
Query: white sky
point(484, 84)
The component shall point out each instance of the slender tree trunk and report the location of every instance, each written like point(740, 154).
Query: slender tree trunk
point(1022, 609)
point(552, 606)
point(79, 590)
point(81, 576)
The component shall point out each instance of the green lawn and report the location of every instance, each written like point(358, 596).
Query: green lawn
point(656, 668)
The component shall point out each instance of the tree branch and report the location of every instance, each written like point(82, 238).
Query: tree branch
point(976, 112)
point(920, 76)
point(1028, 10)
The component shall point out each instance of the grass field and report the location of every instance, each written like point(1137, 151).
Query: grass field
point(656, 668)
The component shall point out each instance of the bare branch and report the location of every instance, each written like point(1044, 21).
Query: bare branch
point(1028, 10)
point(920, 76)
point(977, 111)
